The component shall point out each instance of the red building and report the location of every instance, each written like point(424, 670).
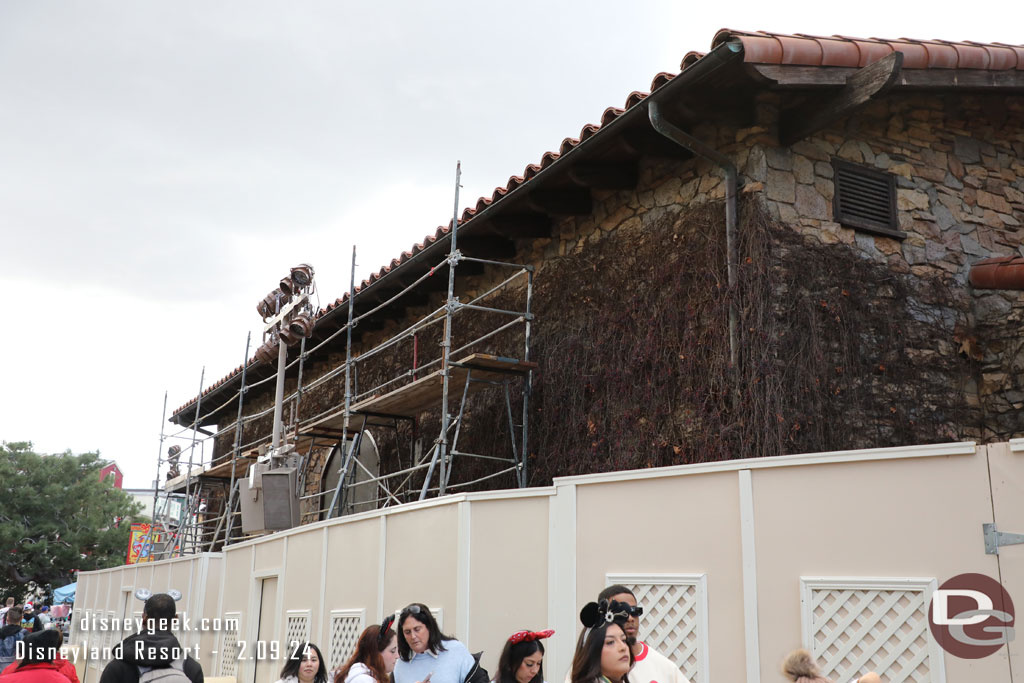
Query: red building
point(112, 470)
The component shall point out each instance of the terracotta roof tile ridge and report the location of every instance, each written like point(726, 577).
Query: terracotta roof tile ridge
point(764, 47)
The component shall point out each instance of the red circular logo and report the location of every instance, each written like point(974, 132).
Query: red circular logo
point(971, 616)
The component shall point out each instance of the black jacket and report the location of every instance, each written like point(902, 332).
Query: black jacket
point(153, 649)
point(9, 630)
point(477, 674)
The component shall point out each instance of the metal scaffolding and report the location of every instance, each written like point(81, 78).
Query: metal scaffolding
point(211, 516)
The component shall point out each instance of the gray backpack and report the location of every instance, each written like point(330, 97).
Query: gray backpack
point(175, 673)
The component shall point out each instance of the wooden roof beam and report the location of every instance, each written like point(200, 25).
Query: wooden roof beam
point(781, 77)
point(522, 225)
point(606, 176)
point(565, 201)
point(649, 143)
point(486, 247)
point(813, 115)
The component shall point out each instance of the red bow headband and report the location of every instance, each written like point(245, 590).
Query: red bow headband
point(527, 636)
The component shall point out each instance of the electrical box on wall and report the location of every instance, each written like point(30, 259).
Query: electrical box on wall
point(280, 501)
point(268, 499)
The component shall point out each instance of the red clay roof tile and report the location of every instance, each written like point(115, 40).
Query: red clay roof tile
point(759, 47)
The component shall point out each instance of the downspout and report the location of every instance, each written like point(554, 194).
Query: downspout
point(687, 141)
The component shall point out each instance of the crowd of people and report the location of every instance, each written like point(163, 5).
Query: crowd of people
point(30, 648)
point(407, 648)
point(608, 650)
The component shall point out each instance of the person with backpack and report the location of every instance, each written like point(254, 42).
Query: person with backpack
point(10, 635)
point(37, 665)
point(153, 654)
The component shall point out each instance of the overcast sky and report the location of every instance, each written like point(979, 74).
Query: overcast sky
point(162, 164)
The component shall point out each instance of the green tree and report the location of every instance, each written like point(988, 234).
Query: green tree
point(56, 516)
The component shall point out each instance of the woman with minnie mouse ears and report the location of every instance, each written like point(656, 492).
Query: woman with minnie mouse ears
point(522, 657)
point(602, 653)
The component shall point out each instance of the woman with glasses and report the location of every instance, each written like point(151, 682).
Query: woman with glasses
point(522, 658)
point(375, 656)
point(602, 653)
point(425, 655)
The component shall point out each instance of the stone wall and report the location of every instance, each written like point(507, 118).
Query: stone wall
point(960, 198)
point(959, 162)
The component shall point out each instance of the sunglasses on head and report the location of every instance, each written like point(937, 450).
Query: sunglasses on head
point(412, 609)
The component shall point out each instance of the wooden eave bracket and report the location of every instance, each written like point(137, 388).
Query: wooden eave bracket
point(860, 87)
point(799, 77)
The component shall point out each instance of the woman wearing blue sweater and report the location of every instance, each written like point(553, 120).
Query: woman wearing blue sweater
point(425, 655)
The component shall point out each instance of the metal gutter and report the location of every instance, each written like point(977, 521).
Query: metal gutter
point(687, 141)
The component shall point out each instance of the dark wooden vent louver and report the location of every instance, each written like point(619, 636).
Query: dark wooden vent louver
point(865, 199)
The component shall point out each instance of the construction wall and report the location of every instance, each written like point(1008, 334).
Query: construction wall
point(110, 594)
point(736, 563)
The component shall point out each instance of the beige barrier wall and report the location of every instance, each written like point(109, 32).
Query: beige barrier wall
point(665, 526)
point(736, 563)
point(508, 569)
point(109, 594)
point(1006, 472)
point(867, 519)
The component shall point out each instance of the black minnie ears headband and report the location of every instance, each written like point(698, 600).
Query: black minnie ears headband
point(385, 626)
point(604, 612)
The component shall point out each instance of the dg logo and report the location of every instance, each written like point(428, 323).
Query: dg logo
point(971, 616)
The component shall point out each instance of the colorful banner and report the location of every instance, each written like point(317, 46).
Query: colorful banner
point(141, 542)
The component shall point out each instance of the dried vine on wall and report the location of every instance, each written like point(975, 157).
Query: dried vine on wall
point(836, 352)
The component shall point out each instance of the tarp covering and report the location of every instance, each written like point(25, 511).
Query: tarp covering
point(65, 593)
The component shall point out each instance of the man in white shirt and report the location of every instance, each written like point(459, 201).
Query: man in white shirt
point(3, 610)
point(651, 666)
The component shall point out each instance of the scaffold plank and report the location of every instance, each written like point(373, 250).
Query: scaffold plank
point(425, 393)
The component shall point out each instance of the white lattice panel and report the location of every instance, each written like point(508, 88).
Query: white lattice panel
point(346, 625)
point(229, 645)
point(674, 621)
point(296, 627)
point(855, 625)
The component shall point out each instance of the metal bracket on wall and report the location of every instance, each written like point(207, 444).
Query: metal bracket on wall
point(995, 539)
